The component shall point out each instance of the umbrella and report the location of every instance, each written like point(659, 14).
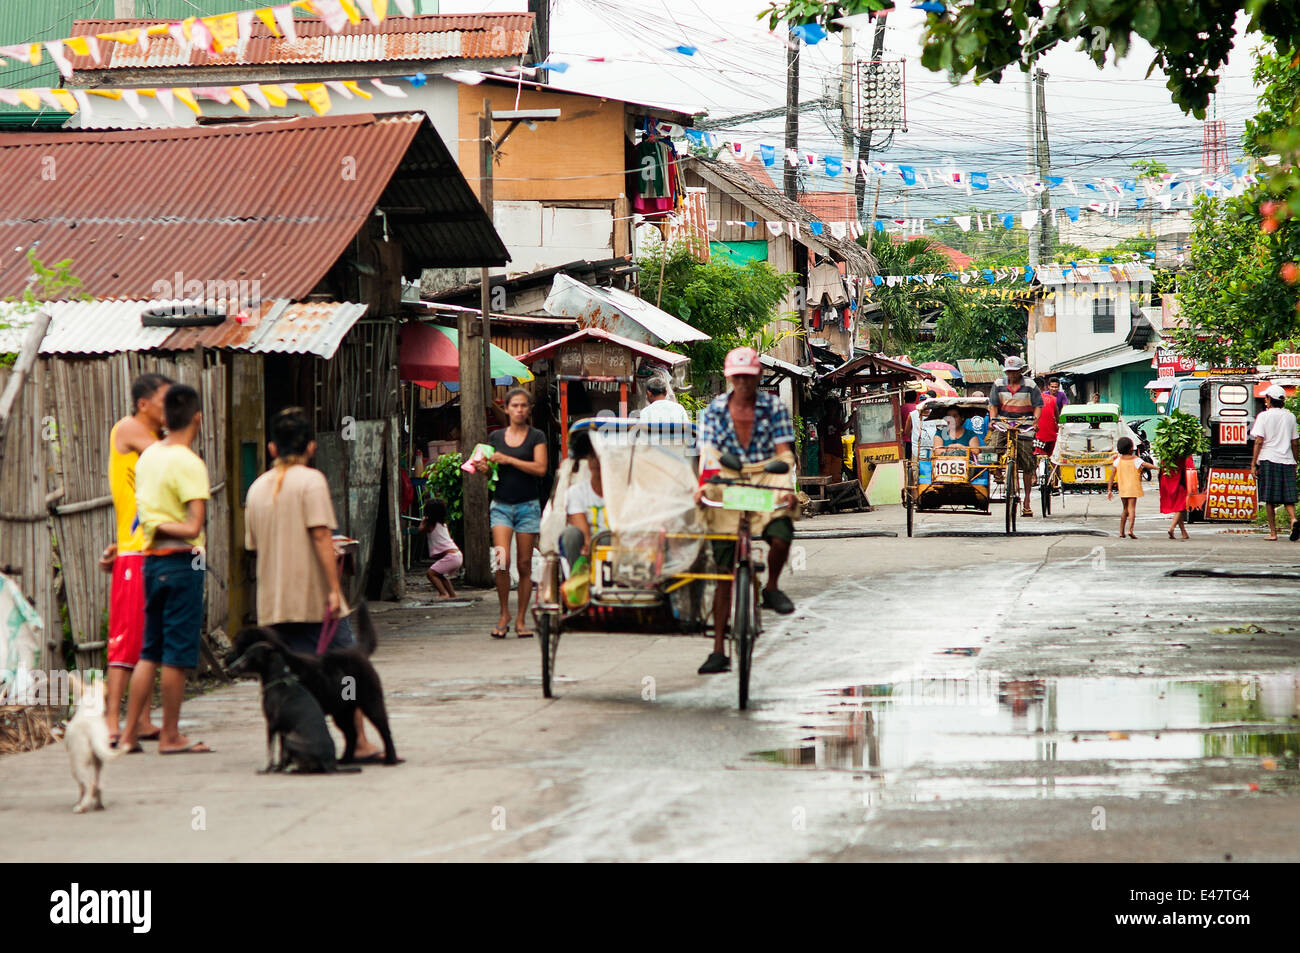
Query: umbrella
point(430, 355)
point(934, 388)
point(937, 366)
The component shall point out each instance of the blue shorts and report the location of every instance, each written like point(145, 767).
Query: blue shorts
point(173, 610)
point(520, 517)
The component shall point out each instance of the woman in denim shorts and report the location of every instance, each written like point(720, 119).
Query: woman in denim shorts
point(520, 458)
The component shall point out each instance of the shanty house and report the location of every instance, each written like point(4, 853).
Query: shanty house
point(279, 236)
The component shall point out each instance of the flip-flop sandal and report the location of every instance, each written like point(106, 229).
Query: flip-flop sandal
point(523, 634)
point(192, 748)
point(500, 633)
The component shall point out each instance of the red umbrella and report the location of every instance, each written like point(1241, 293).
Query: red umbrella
point(938, 366)
point(427, 354)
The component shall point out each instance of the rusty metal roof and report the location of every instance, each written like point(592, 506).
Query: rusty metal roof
point(268, 206)
point(476, 36)
point(111, 327)
point(596, 334)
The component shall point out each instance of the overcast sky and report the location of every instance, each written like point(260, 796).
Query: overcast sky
point(1099, 120)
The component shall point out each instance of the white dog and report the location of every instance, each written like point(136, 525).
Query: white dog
point(88, 742)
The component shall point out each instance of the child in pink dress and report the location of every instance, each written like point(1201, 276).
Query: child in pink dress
point(444, 552)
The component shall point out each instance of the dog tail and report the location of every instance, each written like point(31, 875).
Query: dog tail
point(103, 750)
point(363, 628)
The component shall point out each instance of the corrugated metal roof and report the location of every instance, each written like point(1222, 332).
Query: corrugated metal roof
point(626, 314)
point(111, 327)
point(648, 350)
point(267, 204)
point(1121, 355)
point(476, 36)
point(1093, 274)
point(979, 371)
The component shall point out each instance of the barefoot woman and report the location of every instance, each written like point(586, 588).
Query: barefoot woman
point(520, 456)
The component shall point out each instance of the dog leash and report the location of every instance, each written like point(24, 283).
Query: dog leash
point(328, 627)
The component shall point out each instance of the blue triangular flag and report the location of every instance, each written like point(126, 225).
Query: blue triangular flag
point(834, 165)
point(768, 154)
point(1008, 220)
point(751, 224)
point(908, 174)
point(877, 280)
point(1053, 181)
point(1107, 259)
point(1149, 254)
point(1129, 185)
point(695, 136)
point(816, 227)
point(1029, 273)
point(1141, 201)
point(1238, 169)
point(880, 225)
point(1073, 212)
point(555, 67)
point(929, 6)
point(683, 49)
point(810, 33)
point(979, 180)
point(988, 273)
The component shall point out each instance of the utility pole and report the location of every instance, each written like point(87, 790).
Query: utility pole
point(541, 11)
point(792, 116)
point(473, 392)
point(864, 135)
point(1044, 167)
point(1031, 164)
point(486, 151)
point(846, 101)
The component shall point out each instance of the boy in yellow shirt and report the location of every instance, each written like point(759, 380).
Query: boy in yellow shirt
point(171, 489)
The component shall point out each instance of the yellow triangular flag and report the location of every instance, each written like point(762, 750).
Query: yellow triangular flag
point(29, 98)
point(120, 36)
point(354, 15)
point(34, 54)
point(186, 96)
point(317, 96)
point(267, 16)
point(238, 97)
point(351, 84)
point(106, 93)
point(381, 9)
point(158, 29)
point(78, 45)
point(274, 95)
point(148, 92)
point(304, 5)
point(224, 30)
point(187, 27)
point(65, 99)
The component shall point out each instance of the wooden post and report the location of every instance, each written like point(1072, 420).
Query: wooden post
point(485, 196)
point(26, 358)
point(564, 419)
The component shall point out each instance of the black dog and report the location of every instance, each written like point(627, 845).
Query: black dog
point(292, 714)
point(342, 681)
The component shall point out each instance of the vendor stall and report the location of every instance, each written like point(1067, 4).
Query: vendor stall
point(592, 372)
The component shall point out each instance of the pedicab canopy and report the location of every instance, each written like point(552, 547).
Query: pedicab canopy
point(648, 476)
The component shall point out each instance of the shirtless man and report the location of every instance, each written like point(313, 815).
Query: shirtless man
point(128, 439)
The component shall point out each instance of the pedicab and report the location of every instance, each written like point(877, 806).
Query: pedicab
point(1086, 439)
point(958, 478)
point(650, 571)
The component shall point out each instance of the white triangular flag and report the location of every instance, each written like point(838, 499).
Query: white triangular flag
point(284, 20)
point(56, 53)
point(254, 92)
point(167, 100)
point(132, 99)
point(963, 222)
point(83, 103)
point(774, 228)
point(407, 7)
point(244, 24)
point(339, 88)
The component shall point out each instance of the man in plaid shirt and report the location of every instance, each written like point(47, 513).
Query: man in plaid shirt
point(755, 426)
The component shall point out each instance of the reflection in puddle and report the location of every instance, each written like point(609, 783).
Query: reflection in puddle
point(984, 719)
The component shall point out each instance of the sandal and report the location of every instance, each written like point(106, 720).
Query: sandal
point(523, 634)
point(500, 633)
point(194, 747)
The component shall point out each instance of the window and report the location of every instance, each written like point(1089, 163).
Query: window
point(1103, 315)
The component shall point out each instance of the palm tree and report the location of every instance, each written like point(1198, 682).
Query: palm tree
point(903, 306)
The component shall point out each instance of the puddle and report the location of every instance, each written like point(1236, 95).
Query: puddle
point(985, 721)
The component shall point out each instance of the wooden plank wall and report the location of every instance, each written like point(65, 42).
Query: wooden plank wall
point(25, 531)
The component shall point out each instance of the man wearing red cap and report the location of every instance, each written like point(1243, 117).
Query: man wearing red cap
point(755, 426)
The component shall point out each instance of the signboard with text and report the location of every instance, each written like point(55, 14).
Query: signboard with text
point(1288, 362)
point(1232, 432)
point(1230, 494)
point(1169, 363)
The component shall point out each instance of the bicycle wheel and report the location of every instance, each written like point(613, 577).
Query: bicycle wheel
point(1012, 478)
point(742, 629)
point(548, 640)
point(909, 504)
point(1046, 491)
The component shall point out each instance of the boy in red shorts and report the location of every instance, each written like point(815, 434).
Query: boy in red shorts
point(125, 558)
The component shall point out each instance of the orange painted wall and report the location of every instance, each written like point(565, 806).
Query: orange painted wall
point(586, 141)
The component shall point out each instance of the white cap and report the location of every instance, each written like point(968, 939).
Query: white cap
point(1276, 392)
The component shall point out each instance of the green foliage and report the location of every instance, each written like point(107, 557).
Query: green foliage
point(445, 481)
point(1149, 169)
point(47, 283)
point(1277, 76)
point(1234, 300)
point(731, 303)
point(1178, 436)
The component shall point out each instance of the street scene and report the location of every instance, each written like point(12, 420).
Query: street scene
point(599, 431)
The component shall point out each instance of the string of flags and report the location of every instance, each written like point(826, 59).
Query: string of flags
point(1163, 188)
point(213, 34)
point(266, 95)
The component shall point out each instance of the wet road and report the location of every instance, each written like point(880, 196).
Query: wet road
point(955, 696)
point(1056, 698)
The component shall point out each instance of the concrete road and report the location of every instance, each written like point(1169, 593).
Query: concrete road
point(1054, 696)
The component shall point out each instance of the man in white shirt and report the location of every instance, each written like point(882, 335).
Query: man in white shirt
point(661, 408)
point(1273, 462)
